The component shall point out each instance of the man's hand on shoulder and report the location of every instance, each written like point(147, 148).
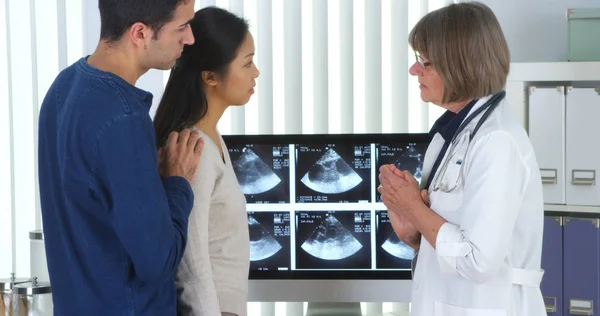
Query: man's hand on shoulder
point(182, 155)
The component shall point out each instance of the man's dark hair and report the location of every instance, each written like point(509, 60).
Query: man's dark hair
point(117, 16)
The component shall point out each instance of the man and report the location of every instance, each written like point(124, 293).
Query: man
point(114, 230)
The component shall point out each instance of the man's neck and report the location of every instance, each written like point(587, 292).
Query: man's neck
point(115, 59)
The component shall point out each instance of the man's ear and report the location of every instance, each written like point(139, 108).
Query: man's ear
point(209, 78)
point(140, 34)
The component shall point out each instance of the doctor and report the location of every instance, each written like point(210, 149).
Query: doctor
point(477, 226)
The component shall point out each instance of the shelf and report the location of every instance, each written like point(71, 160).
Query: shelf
point(555, 71)
point(572, 208)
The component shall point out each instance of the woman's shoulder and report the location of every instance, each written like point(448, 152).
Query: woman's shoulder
point(505, 144)
point(210, 159)
point(503, 126)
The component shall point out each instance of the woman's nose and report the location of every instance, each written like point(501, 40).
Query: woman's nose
point(415, 69)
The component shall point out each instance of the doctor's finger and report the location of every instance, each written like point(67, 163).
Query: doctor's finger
point(403, 195)
point(395, 170)
point(389, 193)
point(394, 188)
point(384, 179)
point(385, 167)
point(425, 197)
point(385, 194)
point(398, 173)
point(395, 195)
point(409, 177)
point(393, 177)
point(407, 174)
point(380, 189)
point(387, 202)
point(380, 176)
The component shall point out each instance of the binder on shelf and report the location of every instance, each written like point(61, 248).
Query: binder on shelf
point(582, 157)
point(581, 266)
point(552, 263)
point(547, 134)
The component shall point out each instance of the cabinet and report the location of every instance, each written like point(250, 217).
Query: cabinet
point(563, 124)
point(570, 259)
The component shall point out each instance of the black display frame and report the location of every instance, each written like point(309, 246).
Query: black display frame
point(272, 139)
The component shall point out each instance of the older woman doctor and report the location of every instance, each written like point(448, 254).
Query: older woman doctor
point(477, 225)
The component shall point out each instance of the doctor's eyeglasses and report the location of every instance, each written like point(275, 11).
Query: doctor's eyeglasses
point(421, 61)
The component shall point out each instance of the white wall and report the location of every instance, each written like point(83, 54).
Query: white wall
point(536, 30)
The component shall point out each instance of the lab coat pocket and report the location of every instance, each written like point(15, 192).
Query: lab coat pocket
point(448, 195)
point(442, 202)
point(443, 309)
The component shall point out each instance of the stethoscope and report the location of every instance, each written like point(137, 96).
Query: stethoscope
point(458, 153)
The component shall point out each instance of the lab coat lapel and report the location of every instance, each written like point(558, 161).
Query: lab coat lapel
point(438, 142)
point(433, 151)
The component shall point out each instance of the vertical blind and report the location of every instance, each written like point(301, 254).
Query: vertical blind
point(327, 66)
point(38, 38)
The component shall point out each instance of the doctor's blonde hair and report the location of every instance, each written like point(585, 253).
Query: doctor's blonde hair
point(466, 46)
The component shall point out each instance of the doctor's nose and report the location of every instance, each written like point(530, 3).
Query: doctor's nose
point(415, 69)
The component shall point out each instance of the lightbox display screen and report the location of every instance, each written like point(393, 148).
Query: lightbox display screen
point(313, 208)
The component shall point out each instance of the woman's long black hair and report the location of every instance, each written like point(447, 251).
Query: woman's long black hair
point(218, 36)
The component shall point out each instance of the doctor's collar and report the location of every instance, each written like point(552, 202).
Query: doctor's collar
point(448, 123)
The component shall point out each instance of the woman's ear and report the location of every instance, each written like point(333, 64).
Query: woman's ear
point(209, 78)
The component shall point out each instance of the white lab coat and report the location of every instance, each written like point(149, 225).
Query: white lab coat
point(487, 256)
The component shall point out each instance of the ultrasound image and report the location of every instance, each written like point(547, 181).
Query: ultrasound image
point(333, 240)
point(333, 173)
point(395, 247)
point(262, 244)
point(391, 252)
point(269, 240)
point(262, 172)
point(255, 176)
point(407, 157)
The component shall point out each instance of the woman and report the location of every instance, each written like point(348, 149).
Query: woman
point(217, 71)
point(478, 226)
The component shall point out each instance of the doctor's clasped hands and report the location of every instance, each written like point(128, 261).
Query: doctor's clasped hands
point(404, 200)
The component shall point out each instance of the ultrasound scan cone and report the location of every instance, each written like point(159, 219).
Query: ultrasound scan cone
point(331, 175)
point(262, 244)
point(331, 241)
point(411, 160)
point(397, 248)
point(253, 174)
